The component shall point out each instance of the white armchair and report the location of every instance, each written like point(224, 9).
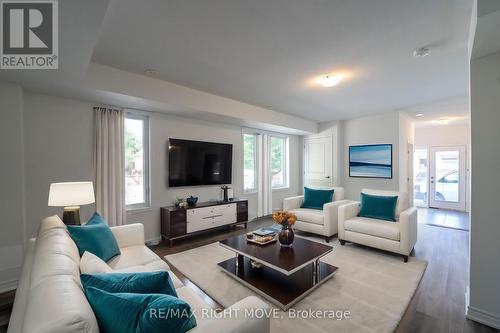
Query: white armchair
point(398, 237)
point(320, 222)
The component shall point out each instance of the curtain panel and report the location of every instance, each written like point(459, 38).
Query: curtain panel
point(109, 158)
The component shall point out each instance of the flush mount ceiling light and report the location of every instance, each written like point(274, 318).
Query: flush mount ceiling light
point(330, 80)
point(421, 52)
point(419, 115)
point(152, 72)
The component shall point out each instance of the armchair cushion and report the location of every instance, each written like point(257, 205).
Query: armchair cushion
point(315, 199)
point(378, 207)
point(309, 215)
point(373, 227)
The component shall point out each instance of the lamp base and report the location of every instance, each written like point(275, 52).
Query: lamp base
point(71, 215)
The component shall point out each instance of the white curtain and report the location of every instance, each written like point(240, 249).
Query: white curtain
point(265, 193)
point(110, 164)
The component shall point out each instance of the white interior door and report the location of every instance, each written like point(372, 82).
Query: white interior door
point(447, 170)
point(318, 161)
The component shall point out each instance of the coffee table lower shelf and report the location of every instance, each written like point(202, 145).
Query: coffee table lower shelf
point(280, 289)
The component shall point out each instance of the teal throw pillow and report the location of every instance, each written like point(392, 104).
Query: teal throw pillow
point(315, 199)
point(141, 282)
point(139, 313)
point(378, 207)
point(96, 238)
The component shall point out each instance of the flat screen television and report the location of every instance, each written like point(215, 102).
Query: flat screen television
point(192, 163)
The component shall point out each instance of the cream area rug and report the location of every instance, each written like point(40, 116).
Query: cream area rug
point(374, 286)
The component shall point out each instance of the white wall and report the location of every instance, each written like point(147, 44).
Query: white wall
point(378, 129)
point(446, 135)
point(484, 290)
point(406, 137)
point(164, 127)
point(59, 139)
point(11, 188)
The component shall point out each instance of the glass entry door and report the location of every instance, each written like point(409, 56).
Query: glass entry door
point(447, 177)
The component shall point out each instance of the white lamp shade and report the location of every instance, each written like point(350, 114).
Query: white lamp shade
point(71, 194)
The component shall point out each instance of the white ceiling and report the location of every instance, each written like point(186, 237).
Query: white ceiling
point(455, 111)
point(268, 53)
point(486, 39)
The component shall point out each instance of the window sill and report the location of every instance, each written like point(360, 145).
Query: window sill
point(285, 188)
point(139, 209)
point(250, 192)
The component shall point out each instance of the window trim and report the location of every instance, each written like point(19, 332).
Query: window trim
point(143, 116)
point(286, 161)
point(256, 159)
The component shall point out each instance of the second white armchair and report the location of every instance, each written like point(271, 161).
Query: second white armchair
point(399, 236)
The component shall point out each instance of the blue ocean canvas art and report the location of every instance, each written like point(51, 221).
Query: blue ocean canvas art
point(370, 161)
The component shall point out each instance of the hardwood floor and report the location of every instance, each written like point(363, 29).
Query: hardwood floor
point(439, 301)
point(444, 218)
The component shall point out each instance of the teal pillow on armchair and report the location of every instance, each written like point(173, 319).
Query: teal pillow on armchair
point(378, 207)
point(95, 237)
point(315, 199)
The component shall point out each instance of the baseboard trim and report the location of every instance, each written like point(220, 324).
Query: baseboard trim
point(153, 241)
point(8, 286)
point(483, 317)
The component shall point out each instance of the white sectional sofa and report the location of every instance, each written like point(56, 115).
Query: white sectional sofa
point(320, 222)
point(398, 237)
point(50, 298)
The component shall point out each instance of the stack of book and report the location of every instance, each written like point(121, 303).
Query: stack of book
point(263, 235)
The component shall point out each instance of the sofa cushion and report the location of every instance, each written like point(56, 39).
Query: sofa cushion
point(132, 313)
point(49, 223)
point(378, 228)
point(133, 256)
point(378, 207)
point(55, 254)
point(309, 215)
point(316, 198)
point(158, 282)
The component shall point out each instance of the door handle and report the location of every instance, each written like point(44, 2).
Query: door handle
point(327, 177)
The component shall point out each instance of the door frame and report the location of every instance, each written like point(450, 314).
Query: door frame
point(461, 205)
point(305, 180)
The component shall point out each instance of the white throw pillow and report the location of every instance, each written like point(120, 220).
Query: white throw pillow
point(91, 264)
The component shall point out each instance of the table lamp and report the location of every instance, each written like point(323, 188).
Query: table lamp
point(70, 196)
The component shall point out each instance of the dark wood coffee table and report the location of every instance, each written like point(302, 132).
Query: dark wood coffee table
point(287, 274)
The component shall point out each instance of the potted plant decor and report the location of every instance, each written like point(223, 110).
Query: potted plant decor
point(286, 220)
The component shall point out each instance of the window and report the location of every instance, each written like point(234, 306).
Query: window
point(136, 161)
point(279, 162)
point(249, 162)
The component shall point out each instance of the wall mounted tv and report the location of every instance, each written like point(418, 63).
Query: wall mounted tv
point(192, 163)
point(370, 161)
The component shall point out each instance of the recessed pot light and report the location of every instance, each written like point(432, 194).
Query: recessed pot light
point(330, 80)
point(421, 52)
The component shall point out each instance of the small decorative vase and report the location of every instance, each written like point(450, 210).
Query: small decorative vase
point(286, 236)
